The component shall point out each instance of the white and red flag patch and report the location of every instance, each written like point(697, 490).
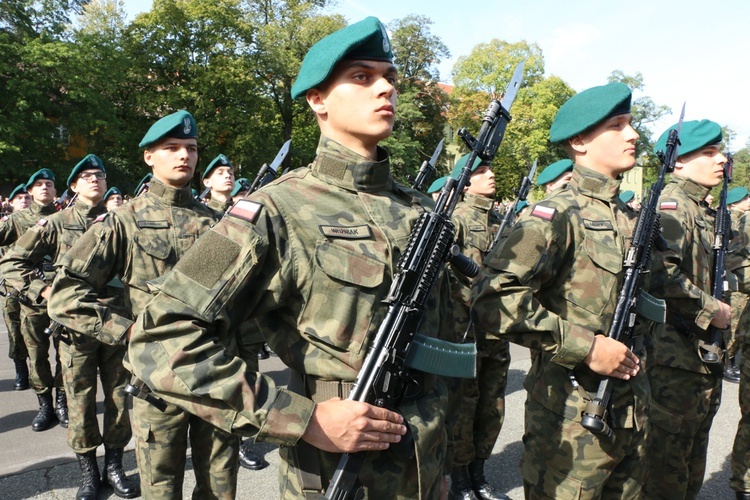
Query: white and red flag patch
point(668, 205)
point(542, 212)
point(246, 209)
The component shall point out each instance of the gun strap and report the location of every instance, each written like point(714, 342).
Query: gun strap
point(303, 457)
point(651, 308)
point(439, 357)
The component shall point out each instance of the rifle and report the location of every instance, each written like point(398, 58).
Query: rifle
point(267, 172)
point(636, 263)
point(711, 350)
point(56, 331)
point(521, 193)
point(427, 169)
point(203, 195)
point(386, 374)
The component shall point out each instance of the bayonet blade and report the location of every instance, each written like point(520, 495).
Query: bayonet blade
point(513, 86)
point(532, 171)
point(436, 154)
point(280, 156)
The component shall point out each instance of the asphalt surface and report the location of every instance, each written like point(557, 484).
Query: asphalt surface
point(40, 464)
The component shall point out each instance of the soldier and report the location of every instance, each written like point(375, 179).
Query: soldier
point(34, 319)
point(436, 186)
point(738, 201)
point(241, 186)
point(218, 179)
point(556, 176)
point(82, 355)
point(19, 200)
point(310, 256)
point(143, 185)
point(139, 243)
point(551, 285)
point(685, 394)
point(113, 198)
point(482, 406)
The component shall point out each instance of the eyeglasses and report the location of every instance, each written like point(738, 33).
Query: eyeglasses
point(98, 174)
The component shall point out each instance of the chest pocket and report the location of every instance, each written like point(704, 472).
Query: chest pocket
point(152, 256)
point(477, 237)
point(346, 288)
point(593, 276)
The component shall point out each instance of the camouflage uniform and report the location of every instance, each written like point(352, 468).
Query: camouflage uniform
point(138, 242)
point(685, 395)
point(12, 315)
point(738, 300)
point(482, 409)
point(81, 359)
point(311, 256)
point(34, 317)
point(219, 206)
point(551, 285)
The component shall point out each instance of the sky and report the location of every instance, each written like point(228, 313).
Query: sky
point(689, 51)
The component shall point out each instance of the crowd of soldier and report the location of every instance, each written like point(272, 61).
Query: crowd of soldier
point(304, 263)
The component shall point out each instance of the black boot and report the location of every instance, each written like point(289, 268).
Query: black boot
point(250, 460)
point(22, 375)
point(61, 408)
point(264, 352)
point(46, 416)
point(114, 475)
point(89, 489)
point(732, 371)
point(741, 495)
point(460, 484)
point(482, 488)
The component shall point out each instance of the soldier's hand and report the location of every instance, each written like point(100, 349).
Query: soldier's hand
point(612, 358)
point(723, 318)
point(45, 293)
point(343, 426)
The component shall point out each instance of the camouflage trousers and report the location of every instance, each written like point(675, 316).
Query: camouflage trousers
point(12, 315)
point(80, 362)
point(683, 406)
point(34, 320)
point(562, 460)
point(740, 480)
point(161, 452)
point(482, 407)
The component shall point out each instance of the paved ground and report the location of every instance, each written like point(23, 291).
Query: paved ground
point(40, 465)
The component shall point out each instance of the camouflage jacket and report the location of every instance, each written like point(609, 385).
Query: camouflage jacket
point(311, 256)
point(14, 225)
point(476, 224)
point(219, 206)
point(687, 226)
point(53, 237)
point(138, 242)
point(552, 284)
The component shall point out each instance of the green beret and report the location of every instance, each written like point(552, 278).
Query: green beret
point(521, 205)
point(146, 179)
point(626, 196)
point(89, 162)
point(462, 162)
point(20, 189)
point(241, 184)
point(588, 108)
point(693, 136)
point(366, 40)
point(219, 161)
point(554, 171)
point(111, 191)
point(44, 173)
point(437, 185)
point(737, 194)
point(180, 125)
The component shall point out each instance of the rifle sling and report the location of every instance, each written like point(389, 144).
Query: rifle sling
point(651, 308)
point(439, 357)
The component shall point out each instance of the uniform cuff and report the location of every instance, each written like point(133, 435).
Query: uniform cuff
point(114, 329)
point(710, 309)
point(35, 290)
point(575, 346)
point(287, 419)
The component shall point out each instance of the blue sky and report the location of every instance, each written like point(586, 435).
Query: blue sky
point(690, 50)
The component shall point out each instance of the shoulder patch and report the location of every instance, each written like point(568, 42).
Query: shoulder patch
point(347, 232)
point(668, 205)
point(41, 222)
point(246, 210)
point(101, 217)
point(546, 213)
point(4, 218)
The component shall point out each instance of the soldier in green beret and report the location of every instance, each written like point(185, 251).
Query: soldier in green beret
point(310, 257)
point(218, 179)
point(685, 394)
point(139, 243)
point(551, 285)
point(82, 356)
point(436, 186)
point(556, 176)
point(143, 185)
point(481, 405)
point(113, 198)
point(738, 202)
point(19, 200)
point(41, 187)
point(241, 187)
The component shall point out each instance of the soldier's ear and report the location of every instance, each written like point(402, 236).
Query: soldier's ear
point(316, 101)
point(147, 158)
point(577, 144)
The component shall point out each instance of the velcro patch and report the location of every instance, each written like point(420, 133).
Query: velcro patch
point(542, 212)
point(668, 205)
point(246, 210)
point(41, 222)
point(153, 224)
point(74, 227)
point(347, 232)
point(598, 225)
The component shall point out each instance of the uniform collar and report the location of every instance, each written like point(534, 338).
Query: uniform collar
point(594, 184)
point(36, 208)
point(88, 211)
point(342, 167)
point(480, 202)
point(169, 195)
point(695, 191)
